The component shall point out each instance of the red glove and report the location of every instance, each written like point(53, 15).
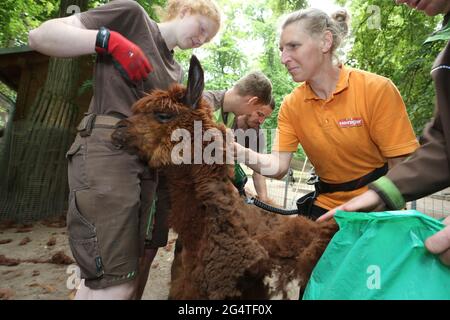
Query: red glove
point(128, 57)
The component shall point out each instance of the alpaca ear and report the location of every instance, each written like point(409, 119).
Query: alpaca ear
point(195, 83)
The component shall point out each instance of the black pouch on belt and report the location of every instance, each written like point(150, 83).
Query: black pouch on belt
point(305, 203)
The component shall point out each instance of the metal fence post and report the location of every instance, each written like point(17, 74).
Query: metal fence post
point(286, 187)
point(413, 205)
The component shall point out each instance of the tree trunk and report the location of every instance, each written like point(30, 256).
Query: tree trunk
point(34, 170)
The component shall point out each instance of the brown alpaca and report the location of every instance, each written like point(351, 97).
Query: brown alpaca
point(229, 247)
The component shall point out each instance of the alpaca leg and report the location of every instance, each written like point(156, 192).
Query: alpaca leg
point(177, 262)
point(176, 271)
point(181, 283)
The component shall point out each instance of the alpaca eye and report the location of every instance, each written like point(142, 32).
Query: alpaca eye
point(164, 117)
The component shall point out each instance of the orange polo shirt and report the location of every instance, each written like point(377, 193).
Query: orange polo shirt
point(354, 131)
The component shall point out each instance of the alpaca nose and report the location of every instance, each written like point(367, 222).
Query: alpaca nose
point(119, 136)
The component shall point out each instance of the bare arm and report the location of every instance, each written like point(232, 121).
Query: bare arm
point(259, 182)
point(63, 38)
point(274, 165)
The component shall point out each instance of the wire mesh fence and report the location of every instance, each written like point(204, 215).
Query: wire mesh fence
point(436, 205)
point(33, 173)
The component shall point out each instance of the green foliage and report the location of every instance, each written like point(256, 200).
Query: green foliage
point(265, 21)
point(300, 154)
point(7, 98)
point(224, 59)
point(183, 56)
point(226, 63)
point(282, 7)
point(7, 92)
point(269, 60)
point(152, 6)
point(20, 16)
point(3, 112)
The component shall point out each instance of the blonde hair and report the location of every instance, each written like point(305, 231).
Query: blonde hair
point(316, 22)
point(207, 8)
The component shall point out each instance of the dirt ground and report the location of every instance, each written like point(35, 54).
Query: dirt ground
point(36, 264)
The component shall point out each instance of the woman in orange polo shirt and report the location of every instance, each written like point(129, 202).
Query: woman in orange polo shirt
point(350, 123)
point(427, 170)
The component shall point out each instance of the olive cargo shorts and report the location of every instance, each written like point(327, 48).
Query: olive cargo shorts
point(111, 193)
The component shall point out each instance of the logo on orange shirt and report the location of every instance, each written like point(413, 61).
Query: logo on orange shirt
point(350, 122)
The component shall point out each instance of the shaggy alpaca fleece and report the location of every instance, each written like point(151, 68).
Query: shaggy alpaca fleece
point(228, 246)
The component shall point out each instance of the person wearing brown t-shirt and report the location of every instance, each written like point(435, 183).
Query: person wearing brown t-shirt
point(111, 191)
point(245, 106)
point(233, 113)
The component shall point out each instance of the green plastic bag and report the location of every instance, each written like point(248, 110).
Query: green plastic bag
point(380, 255)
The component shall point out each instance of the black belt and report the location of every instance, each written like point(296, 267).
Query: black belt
point(323, 187)
point(305, 203)
point(91, 121)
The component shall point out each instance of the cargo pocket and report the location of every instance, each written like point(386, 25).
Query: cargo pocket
point(83, 242)
point(76, 166)
point(73, 150)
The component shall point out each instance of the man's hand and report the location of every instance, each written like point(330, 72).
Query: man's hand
point(368, 201)
point(439, 243)
point(128, 58)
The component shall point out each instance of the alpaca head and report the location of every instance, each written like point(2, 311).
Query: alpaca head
point(166, 124)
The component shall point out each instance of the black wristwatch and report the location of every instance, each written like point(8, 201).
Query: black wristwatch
point(101, 42)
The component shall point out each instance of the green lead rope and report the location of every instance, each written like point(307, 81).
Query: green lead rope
point(240, 178)
point(151, 217)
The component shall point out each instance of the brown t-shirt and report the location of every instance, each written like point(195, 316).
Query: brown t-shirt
point(215, 98)
point(113, 94)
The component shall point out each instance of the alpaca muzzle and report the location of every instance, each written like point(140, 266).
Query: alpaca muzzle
point(120, 136)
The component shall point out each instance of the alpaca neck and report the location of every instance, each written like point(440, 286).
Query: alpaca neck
point(201, 183)
point(198, 193)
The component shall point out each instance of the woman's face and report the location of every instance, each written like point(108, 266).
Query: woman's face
point(194, 30)
point(300, 53)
